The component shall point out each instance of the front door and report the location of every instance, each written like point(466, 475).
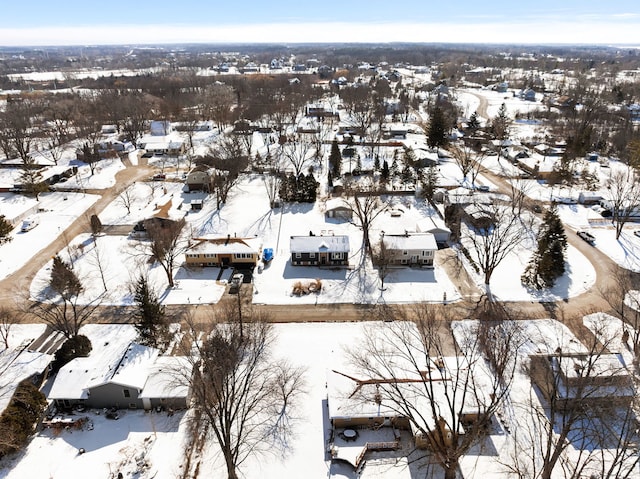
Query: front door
point(414, 259)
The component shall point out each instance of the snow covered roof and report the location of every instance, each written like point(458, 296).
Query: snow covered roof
point(329, 244)
point(226, 245)
point(109, 342)
point(431, 224)
point(133, 368)
point(16, 365)
point(167, 378)
point(411, 241)
point(336, 204)
point(351, 395)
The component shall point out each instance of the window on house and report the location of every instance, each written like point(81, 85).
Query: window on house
point(126, 393)
point(298, 255)
point(336, 255)
point(405, 252)
point(312, 255)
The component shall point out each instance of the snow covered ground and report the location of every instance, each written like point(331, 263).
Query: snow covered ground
point(247, 214)
point(152, 445)
point(55, 212)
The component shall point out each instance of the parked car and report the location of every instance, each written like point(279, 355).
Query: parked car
point(586, 236)
point(484, 188)
point(159, 177)
point(235, 283)
point(29, 224)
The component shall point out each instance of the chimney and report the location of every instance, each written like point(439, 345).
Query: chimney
point(228, 238)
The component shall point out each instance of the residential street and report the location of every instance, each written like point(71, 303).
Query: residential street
point(14, 288)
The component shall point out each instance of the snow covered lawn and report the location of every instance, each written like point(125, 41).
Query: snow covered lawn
point(56, 211)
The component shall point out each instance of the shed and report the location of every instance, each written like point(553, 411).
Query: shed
point(337, 208)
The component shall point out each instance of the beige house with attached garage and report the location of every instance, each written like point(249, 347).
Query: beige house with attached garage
point(410, 249)
point(228, 251)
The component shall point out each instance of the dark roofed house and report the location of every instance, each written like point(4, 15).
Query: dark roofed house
point(320, 250)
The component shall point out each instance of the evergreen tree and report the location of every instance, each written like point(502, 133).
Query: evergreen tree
point(5, 230)
point(329, 179)
point(407, 175)
point(410, 158)
point(96, 225)
point(31, 178)
point(500, 124)
point(395, 169)
point(547, 263)
point(358, 169)
point(18, 421)
point(64, 280)
point(335, 159)
point(149, 317)
point(430, 182)
point(473, 124)
point(384, 173)
point(437, 129)
point(76, 347)
point(376, 163)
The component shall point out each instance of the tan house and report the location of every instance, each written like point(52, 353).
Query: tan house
point(410, 249)
point(229, 251)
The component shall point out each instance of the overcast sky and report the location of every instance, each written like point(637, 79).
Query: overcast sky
point(40, 22)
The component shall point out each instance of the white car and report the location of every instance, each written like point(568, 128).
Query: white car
point(29, 224)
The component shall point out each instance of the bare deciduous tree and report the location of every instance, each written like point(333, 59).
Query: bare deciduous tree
point(100, 261)
point(244, 396)
point(271, 182)
point(620, 292)
point(407, 361)
point(127, 198)
point(364, 197)
point(62, 304)
point(299, 152)
point(7, 319)
point(585, 425)
point(493, 240)
point(167, 241)
point(623, 197)
point(467, 160)
point(229, 160)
